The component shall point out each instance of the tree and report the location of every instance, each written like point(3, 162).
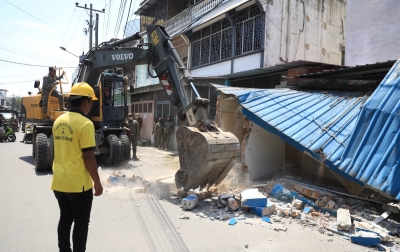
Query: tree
point(16, 102)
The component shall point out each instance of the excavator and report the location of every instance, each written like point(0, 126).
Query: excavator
point(206, 153)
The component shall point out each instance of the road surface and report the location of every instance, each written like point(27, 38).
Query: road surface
point(125, 220)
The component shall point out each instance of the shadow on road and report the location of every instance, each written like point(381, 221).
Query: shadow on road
point(43, 173)
point(28, 159)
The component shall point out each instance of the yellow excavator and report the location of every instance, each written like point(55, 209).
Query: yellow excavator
point(206, 153)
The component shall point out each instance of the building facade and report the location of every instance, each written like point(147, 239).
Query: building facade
point(220, 40)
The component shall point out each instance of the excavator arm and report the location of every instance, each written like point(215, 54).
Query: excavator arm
point(206, 153)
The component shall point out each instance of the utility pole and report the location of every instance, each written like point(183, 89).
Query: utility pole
point(91, 23)
point(96, 43)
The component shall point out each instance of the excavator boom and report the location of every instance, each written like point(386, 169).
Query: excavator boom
point(206, 153)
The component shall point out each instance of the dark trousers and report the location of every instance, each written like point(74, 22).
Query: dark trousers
point(133, 144)
point(167, 136)
point(45, 94)
point(74, 207)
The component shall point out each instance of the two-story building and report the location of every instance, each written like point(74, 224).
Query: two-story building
point(238, 43)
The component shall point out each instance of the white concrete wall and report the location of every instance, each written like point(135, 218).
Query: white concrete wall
point(264, 153)
point(321, 38)
point(372, 32)
point(217, 69)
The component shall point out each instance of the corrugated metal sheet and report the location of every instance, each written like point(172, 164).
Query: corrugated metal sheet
point(373, 153)
point(375, 71)
point(355, 135)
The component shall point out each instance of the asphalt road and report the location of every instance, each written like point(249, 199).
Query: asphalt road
point(125, 220)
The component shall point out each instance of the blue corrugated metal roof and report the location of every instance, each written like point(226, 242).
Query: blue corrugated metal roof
point(356, 135)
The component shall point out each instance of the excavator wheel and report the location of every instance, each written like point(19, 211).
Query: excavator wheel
point(114, 154)
point(50, 153)
point(205, 157)
point(41, 149)
point(125, 150)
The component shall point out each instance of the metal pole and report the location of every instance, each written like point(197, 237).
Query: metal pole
point(90, 28)
point(97, 31)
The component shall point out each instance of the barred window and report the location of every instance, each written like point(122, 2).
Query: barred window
point(249, 30)
point(212, 43)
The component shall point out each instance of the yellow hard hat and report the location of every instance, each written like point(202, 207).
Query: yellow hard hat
point(83, 89)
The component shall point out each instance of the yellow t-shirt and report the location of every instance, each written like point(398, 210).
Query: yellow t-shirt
point(73, 134)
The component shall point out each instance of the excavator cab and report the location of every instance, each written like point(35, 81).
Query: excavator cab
point(111, 107)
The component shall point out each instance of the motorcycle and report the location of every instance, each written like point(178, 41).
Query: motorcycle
point(28, 134)
point(8, 134)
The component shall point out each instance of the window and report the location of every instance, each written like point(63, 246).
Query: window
point(212, 43)
point(248, 30)
point(150, 107)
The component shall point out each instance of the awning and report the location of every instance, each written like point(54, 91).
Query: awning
point(356, 134)
point(221, 9)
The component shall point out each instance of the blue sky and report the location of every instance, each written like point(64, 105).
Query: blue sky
point(33, 34)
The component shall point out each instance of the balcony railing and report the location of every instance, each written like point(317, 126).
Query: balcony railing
point(178, 23)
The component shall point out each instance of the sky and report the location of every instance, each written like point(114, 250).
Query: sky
point(31, 33)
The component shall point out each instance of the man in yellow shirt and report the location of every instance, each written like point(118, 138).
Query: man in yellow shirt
point(75, 168)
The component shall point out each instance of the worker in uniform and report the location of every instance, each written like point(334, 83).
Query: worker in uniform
point(159, 131)
point(48, 83)
point(139, 120)
point(153, 130)
point(133, 134)
point(13, 122)
point(169, 126)
point(75, 168)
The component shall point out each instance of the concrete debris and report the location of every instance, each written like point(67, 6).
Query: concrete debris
point(224, 196)
point(233, 204)
point(384, 216)
point(366, 238)
point(298, 204)
point(184, 216)
point(232, 221)
point(253, 198)
point(308, 209)
point(331, 204)
point(189, 202)
point(343, 219)
point(201, 215)
point(224, 216)
point(315, 214)
point(270, 208)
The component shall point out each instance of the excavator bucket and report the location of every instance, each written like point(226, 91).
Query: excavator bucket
point(205, 157)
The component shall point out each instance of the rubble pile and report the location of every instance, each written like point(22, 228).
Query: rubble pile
point(282, 204)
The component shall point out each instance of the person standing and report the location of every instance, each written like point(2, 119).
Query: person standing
point(153, 130)
point(133, 134)
point(169, 126)
point(159, 131)
point(2, 121)
point(75, 168)
point(139, 120)
point(48, 83)
point(13, 123)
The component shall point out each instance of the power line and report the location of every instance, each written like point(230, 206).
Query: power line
point(68, 25)
point(25, 38)
point(19, 63)
point(127, 17)
point(24, 55)
point(108, 20)
point(118, 24)
point(36, 18)
point(75, 28)
point(13, 76)
point(18, 82)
